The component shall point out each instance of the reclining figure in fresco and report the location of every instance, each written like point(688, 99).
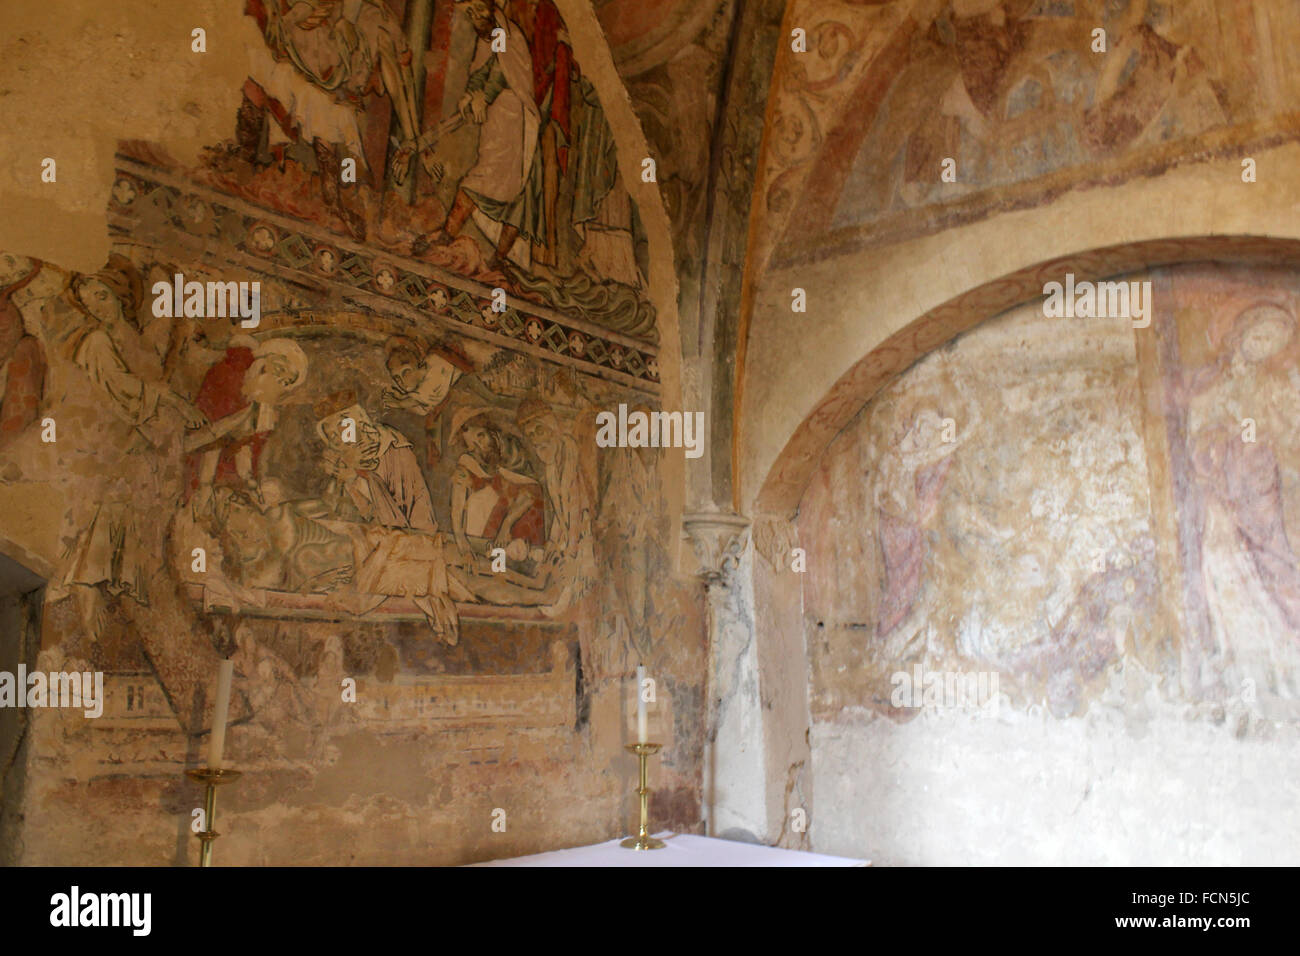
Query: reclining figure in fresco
point(369, 537)
point(348, 522)
point(282, 548)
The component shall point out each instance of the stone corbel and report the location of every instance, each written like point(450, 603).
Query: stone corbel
point(775, 538)
point(719, 539)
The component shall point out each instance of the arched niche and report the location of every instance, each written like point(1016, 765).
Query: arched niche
point(785, 482)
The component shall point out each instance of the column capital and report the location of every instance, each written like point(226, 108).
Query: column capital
point(719, 539)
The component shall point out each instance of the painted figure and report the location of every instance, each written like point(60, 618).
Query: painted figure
point(1249, 567)
point(111, 349)
point(321, 58)
point(494, 503)
point(569, 546)
point(422, 380)
point(910, 478)
point(239, 395)
point(499, 98)
point(22, 359)
point(376, 476)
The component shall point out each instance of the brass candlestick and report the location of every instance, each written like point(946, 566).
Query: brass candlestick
point(643, 840)
point(210, 778)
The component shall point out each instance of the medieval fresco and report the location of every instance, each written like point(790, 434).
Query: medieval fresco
point(332, 463)
point(344, 430)
point(672, 56)
point(1081, 507)
point(1229, 374)
point(463, 135)
point(1018, 93)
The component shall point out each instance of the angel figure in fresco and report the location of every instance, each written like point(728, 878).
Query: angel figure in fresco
point(1249, 571)
point(320, 59)
point(22, 358)
point(422, 380)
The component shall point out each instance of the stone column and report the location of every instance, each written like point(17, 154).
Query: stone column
point(757, 779)
point(735, 804)
point(783, 665)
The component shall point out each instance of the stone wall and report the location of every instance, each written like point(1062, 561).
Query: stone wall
point(1051, 605)
point(467, 557)
point(1060, 150)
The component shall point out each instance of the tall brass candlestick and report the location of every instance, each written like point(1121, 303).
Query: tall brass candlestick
point(643, 840)
point(210, 778)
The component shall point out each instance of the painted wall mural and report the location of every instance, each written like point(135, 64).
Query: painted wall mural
point(390, 475)
point(1081, 507)
point(1015, 93)
point(1229, 373)
point(475, 144)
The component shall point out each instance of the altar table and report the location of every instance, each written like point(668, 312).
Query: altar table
point(683, 849)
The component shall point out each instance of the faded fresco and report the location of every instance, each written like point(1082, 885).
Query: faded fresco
point(1231, 382)
point(390, 476)
point(1015, 93)
point(1081, 507)
point(672, 56)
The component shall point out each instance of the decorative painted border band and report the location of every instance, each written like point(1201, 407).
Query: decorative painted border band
point(159, 209)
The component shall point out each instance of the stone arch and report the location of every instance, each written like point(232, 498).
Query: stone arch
point(783, 487)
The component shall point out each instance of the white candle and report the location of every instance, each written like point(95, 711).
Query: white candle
point(640, 705)
point(219, 714)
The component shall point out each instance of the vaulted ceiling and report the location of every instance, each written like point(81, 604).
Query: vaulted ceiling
point(803, 144)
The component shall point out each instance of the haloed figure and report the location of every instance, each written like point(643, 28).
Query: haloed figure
point(1248, 564)
point(240, 395)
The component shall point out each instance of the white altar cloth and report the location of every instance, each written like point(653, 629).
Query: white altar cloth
point(683, 849)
